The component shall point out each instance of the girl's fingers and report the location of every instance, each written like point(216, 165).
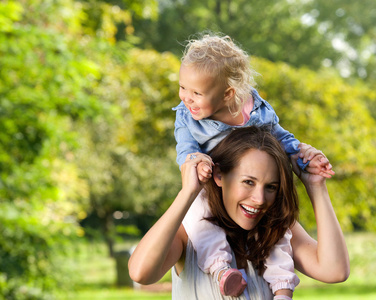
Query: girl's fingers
point(199, 157)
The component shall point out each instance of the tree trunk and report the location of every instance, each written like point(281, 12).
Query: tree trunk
point(108, 230)
point(218, 8)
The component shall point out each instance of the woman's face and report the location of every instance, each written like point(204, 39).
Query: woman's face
point(250, 188)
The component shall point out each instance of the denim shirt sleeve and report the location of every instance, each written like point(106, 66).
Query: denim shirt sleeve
point(264, 114)
point(288, 141)
point(185, 143)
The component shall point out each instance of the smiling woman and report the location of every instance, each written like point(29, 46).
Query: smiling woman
point(252, 197)
point(252, 191)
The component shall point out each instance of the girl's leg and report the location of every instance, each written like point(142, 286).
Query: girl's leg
point(279, 271)
point(213, 251)
point(209, 240)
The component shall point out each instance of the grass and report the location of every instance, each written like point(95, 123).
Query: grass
point(97, 276)
point(362, 281)
point(117, 294)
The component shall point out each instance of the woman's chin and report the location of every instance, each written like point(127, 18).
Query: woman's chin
point(247, 227)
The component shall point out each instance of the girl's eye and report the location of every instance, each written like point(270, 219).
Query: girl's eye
point(182, 87)
point(198, 94)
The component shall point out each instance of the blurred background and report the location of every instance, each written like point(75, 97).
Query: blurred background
point(87, 152)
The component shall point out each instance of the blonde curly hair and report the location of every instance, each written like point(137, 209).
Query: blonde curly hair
point(219, 56)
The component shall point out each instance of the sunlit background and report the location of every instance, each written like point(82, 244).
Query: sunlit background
point(87, 152)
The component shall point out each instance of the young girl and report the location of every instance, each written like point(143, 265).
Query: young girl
point(217, 95)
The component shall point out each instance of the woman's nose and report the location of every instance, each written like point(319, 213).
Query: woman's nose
point(258, 196)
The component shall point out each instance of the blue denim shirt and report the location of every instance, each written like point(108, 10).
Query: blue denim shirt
point(202, 135)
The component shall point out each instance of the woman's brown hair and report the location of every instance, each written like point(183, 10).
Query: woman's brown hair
point(253, 245)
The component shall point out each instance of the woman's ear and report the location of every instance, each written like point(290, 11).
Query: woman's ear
point(217, 175)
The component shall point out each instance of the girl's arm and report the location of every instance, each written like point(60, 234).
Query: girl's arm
point(164, 244)
point(185, 142)
point(327, 258)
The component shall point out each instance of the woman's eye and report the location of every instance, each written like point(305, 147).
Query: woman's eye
point(249, 182)
point(272, 188)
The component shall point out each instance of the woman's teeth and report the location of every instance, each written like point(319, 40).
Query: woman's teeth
point(250, 210)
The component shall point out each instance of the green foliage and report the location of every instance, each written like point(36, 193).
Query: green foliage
point(301, 33)
point(86, 124)
point(269, 29)
point(129, 159)
point(10, 11)
point(351, 23)
point(129, 230)
point(323, 110)
point(46, 85)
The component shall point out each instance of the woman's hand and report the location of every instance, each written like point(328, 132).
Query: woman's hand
point(189, 172)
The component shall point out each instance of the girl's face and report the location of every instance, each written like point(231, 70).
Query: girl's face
point(250, 188)
point(202, 94)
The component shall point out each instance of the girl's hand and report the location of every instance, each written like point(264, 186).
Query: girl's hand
point(204, 171)
point(189, 172)
point(307, 178)
point(318, 163)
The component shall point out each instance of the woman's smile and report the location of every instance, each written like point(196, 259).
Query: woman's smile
point(250, 212)
point(250, 188)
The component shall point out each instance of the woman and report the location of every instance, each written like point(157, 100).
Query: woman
point(250, 195)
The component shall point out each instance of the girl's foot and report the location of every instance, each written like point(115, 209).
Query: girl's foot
point(232, 283)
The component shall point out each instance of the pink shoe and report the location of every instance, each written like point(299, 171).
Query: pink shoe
point(232, 283)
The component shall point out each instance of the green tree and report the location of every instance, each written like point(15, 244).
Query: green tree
point(129, 161)
point(323, 110)
point(269, 29)
point(350, 27)
point(46, 84)
point(301, 33)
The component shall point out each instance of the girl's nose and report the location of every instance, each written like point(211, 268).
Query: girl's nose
point(186, 97)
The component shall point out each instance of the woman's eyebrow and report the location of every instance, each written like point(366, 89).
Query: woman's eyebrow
point(249, 176)
point(255, 178)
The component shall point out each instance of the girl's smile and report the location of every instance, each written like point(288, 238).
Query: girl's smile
point(202, 94)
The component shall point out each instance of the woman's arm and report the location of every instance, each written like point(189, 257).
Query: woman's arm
point(164, 244)
point(327, 258)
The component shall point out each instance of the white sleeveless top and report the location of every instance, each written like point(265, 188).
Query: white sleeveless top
point(194, 284)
